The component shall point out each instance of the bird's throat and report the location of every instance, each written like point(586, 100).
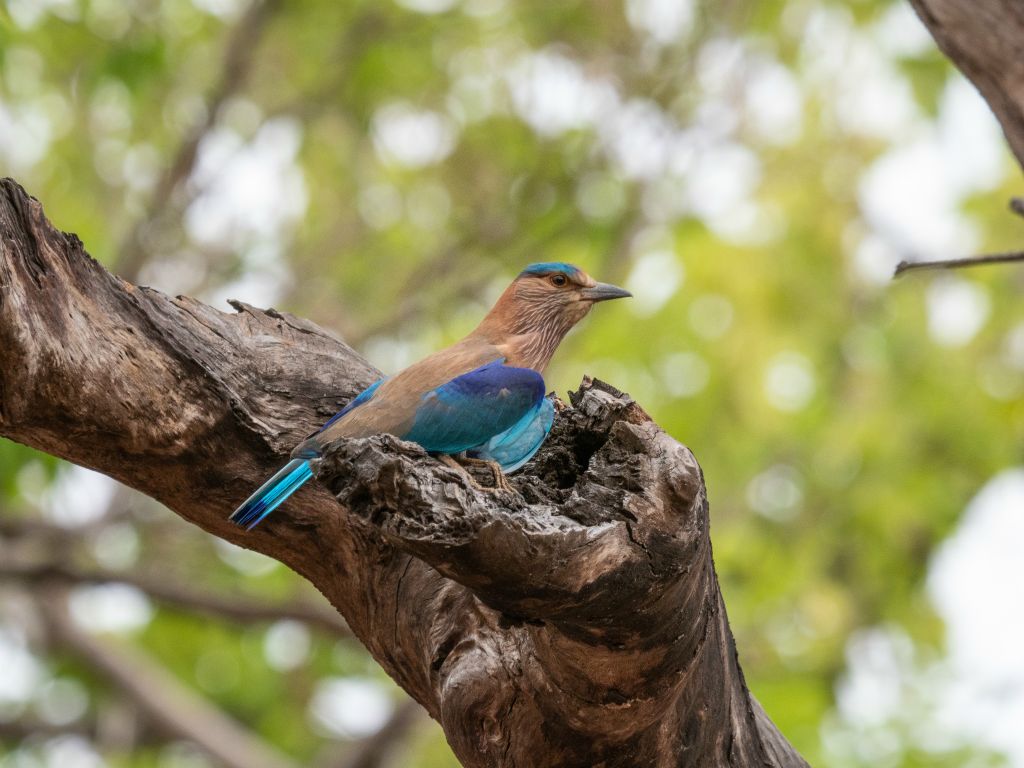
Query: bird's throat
point(529, 331)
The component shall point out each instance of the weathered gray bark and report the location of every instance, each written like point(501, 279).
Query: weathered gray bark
point(985, 39)
point(577, 622)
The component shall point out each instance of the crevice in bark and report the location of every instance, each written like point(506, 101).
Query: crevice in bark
point(574, 622)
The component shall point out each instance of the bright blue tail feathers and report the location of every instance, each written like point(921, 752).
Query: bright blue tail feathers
point(272, 493)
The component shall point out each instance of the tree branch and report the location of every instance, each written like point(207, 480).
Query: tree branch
point(602, 595)
point(577, 622)
point(983, 39)
point(170, 705)
point(235, 608)
point(33, 727)
point(98, 728)
point(971, 261)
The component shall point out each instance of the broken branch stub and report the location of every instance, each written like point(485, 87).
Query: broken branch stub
point(584, 610)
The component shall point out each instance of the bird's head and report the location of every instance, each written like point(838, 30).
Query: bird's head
point(545, 301)
point(555, 292)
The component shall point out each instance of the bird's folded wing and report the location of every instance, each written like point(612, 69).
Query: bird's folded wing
point(517, 444)
point(474, 407)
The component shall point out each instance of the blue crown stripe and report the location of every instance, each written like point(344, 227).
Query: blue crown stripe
point(547, 267)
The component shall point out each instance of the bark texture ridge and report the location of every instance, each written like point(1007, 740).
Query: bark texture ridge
point(575, 622)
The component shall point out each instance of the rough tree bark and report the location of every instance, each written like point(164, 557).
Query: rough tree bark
point(577, 622)
point(984, 38)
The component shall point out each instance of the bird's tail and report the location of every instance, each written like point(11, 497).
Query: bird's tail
point(272, 493)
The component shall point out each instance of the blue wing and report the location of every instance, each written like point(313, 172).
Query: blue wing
point(517, 444)
point(358, 400)
point(472, 408)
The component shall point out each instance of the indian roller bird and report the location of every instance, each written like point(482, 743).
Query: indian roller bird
point(482, 398)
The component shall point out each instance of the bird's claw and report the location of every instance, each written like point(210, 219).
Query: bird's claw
point(501, 483)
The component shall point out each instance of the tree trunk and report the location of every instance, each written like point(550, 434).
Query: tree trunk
point(577, 622)
point(985, 39)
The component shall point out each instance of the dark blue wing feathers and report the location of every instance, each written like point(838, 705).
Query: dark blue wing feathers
point(474, 407)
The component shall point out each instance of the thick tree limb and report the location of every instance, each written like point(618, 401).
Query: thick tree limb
point(576, 623)
point(983, 38)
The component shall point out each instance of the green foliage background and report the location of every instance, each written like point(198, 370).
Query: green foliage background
point(868, 468)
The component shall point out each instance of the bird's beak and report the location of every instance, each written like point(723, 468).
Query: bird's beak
point(604, 292)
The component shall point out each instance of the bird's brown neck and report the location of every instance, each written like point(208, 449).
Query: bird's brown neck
point(528, 333)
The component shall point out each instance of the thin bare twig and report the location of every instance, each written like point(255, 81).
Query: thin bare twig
point(972, 261)
point(170, 705)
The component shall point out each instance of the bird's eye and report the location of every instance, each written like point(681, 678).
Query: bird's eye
point(559, 280)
